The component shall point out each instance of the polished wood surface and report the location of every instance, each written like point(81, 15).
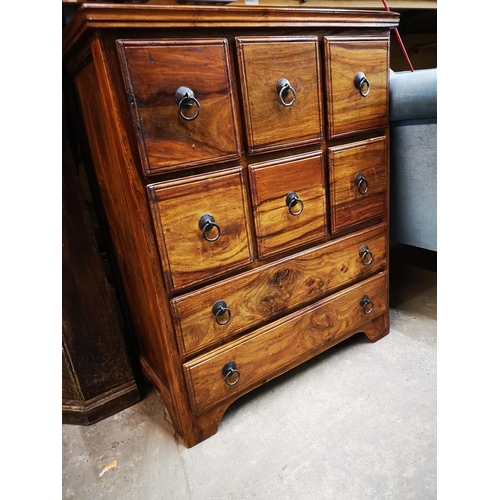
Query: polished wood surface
point(172, 276)
point(349, 206)
point(210, 419)
point(153, 71)
point(188, 258)
point(333, 4)
point(277, 229)
point(92, 17)
point(263, 62)
point(270, 348)
point(348, 111)
point(107, 135)
point(275, 289)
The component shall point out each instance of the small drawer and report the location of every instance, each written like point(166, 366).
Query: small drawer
point(174, 131)
point(281, 87)
point(358, 172)
point(201, 226)
point(217, 313)
point(356, 85)
point(289, 202)
point(274, 348)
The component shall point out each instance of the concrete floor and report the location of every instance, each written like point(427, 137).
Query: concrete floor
point(357, 422)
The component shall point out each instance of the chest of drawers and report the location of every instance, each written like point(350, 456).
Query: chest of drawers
point(241, 155)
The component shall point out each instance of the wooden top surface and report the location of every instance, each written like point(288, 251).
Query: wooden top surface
point(102, 16)
point(334, 4)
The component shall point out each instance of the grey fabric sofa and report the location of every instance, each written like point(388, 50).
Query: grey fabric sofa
point(413, 162)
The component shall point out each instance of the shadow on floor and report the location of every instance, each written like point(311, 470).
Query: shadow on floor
point(412, 272)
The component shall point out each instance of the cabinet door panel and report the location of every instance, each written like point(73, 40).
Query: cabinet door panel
point(274, 123)
point(153, 72)
point(177, 206)
point(358, 177)
point(280, 222)
point(348, 111)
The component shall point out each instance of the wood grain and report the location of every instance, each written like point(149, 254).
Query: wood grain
point(102, 104)
point(153, 71)
point(208, 421)
point(273, 290)
point(271, 348)
point(344, 4)
point(277, 230)
point(92, 16)
point(271, 126)
point(349, 206)
point(177, 207)
point(292, 291)
point(347, 110)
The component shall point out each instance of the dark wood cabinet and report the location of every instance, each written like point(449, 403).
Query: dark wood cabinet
point(97, 378)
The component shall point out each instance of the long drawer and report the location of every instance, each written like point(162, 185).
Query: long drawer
point(216, 313)
point(255, 358)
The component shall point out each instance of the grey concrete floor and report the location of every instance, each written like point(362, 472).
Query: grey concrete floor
point(357, 422)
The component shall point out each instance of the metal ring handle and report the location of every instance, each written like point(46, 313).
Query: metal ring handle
point(361, 183)
point(218, 310)
point(363, 83)
point(208, 227)
point(360, 81)
point(206, 223)
point(364, 252)
point(364, 302)
point(191, 100)
point(283, 88)
point(185, 99)
point(228, 370)
point(291, 200)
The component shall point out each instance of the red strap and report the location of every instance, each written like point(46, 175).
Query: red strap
point(399, 39)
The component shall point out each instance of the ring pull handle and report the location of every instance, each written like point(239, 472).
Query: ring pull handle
point(228, 370)
point(206, 224)
point(366, 255)
point(292, 200)
point(360, 81)
point(184, 97)
point(284, 89)
point(361, 183)
point(366, 304)
point(219, 310)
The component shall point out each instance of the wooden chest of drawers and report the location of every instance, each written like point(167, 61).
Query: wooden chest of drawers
point(241, 155)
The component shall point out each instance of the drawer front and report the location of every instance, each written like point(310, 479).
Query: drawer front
point(267, 352)
point(289, 202)
point(348, 110)
point(359, 175)
point(294, 119)
point(201, 225)
point(257, 296)
point(153, 72)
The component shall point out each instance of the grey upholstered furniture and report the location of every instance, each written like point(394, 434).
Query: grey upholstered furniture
point(413, 122)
